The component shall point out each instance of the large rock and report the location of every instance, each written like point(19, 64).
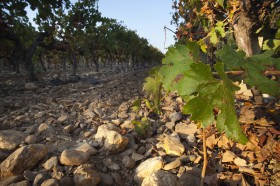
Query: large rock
point(22, 159)
point(10, 139)
point(160, 178)
point(148, 167)
point(108, 136)
point(173, 146)
point(86, 176)
point(77, 156)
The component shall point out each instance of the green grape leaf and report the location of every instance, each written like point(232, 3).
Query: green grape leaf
point(177, 54)
point(277, 35)
point(253, 66)
point(177, 62)
point(227, 119)
point(152, 86)
point(194, 48)
point(212, 95)
point(256, 78)
point(233, 60)
point(271, 44)
point(213, 36)
point(220, 2)
point(199, 73)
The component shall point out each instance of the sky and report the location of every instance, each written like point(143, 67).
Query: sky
point(147, 17)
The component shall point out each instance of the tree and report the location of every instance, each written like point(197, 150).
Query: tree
point(14, 25)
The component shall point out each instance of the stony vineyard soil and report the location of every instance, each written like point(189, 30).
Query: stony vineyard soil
point(81, 133)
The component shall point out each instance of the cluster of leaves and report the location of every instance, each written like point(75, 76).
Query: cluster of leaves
point(142, 127)
point(209, 97)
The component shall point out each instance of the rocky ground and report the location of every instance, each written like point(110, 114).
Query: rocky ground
point(81, 133)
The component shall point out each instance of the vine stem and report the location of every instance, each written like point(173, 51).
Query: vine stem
point(205, 160)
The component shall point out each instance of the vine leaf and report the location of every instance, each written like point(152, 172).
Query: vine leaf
point(212, 95)
point(176, 63)
point(253, 66)
point(227, 119)
point(221, 3)
point(152, 86)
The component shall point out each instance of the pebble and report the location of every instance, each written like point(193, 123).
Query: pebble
point(51, 163)
point(173, 146)
point(173, 165)
point(148, 167)
point(50, 182)
point(160, 178)
point(106, 179)
point(85, 175)
point(128, 162)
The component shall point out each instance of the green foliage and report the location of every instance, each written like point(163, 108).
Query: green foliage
point(152, 86)
point(253, 66)
point(215, 94)
point(136, 105)
point(181, 72)
point(142, 127)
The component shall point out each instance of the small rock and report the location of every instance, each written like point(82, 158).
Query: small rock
point(137, 157)
point(184, 129)
point(128, 162)
point(117, 121)
point(50, 182)
point(113, 141)
point(160, 178)
point(31, 139)
point(170, 125)
point(30, 86)
point(191, 140)
point(89, 113)
point(86, 176)
point(173, 146)
point(63, 117)
point(118, 179)
point(112, 166)
point(123, 115)
point(127, 125)
point(173, 164)
point(123, 107)
point(67, 180)
point(29, 175)
point(45, 127)
point(77, 156)
point(57, 173)
point(22, 159)
point(148, 167)
point(141, 150)
point(175, 116)
point(51, 163)
point(192, 158)
point(10, 139)
point(106, 179)
point(68, 129)
point(40, 178)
